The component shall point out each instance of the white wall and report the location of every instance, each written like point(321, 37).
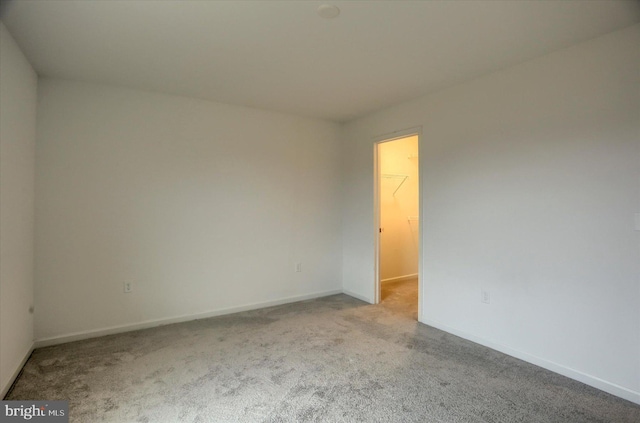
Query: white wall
point(399, 208)
point(530, 179)
point(205, 207)
point(18, 85)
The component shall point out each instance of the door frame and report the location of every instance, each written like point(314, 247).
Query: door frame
point(414, 131)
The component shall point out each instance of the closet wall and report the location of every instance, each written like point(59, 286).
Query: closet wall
point(399, 209)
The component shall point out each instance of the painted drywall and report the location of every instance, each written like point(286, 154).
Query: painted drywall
point(399, 208)
point(530, 180)
point(18, 86)
point(202, 206)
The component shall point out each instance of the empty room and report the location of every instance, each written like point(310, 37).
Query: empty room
point(308, 211)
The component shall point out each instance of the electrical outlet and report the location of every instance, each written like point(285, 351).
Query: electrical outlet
point(127, 287)
point(298, 267)
point(485, 297)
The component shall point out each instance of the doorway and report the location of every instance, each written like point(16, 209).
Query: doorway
point(398, 223)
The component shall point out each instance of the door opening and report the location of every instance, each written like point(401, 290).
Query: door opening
point(398, 226)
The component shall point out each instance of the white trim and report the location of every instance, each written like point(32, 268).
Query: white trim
point(78, 336)
point(376, 221)
point(5, 389)
point(357, 296)
point(585, 378)
point(399, 278)
point(421, 222)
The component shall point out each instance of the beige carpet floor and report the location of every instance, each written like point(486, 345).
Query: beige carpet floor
point(401, 297)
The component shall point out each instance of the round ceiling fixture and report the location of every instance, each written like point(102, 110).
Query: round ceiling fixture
point(328, 11)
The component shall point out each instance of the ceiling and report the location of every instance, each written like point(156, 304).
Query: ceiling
point(280, 55)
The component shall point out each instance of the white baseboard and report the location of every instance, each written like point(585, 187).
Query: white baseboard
point(16, 372)
point(358, 296)
point(587, 379)
point(78, 336)
point(400, 278)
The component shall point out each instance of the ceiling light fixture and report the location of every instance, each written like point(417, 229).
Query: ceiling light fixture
point(328, 11)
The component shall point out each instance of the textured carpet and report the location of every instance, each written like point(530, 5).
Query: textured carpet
point(401, 297)
point(334, 359)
